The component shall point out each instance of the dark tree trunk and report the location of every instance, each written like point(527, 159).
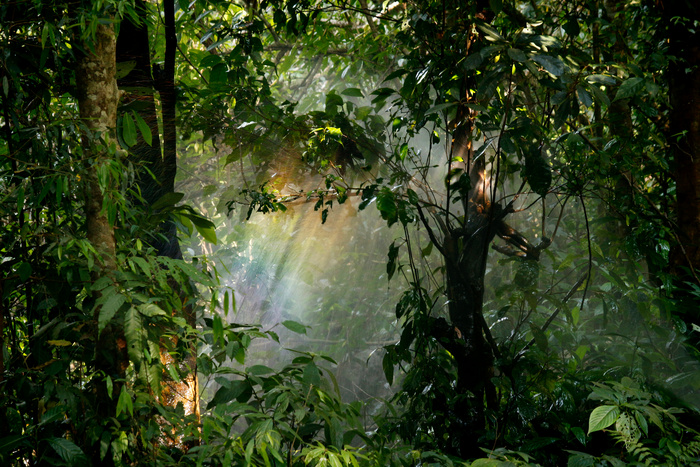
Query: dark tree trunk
point(133, 48)
point(157, 178)
point(684, 92)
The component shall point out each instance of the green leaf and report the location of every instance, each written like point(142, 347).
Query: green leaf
point(487, 463)
point(124, 68)
point(490, 33)
point(151, 309)
point(260, 370)
point(112, 304)
point(517, 55)
point(553, 65)
point(312, 375)
point(334, 460)
point(353, 92)
point(579, 434)
point(143, 128)
point(167, 200)
point(69, 451)
point(24, 271)
point(294, 326)
point(540, 337)
point(387, 206)
point(128, 130)
point(388, 367)
point(217, 328)
point(440, 107)
point(602, 417)
point(239, 390)
point(403, 152)
point(204, 227)
point(10, 443)
point(601, 79)
point(133, 331)
point(125, 404)
point(598, 94)
point(629, 88)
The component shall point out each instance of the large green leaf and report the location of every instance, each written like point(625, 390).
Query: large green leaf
point(68, 450)
point(553, 65)
point(112, 303)
point(629, 88)
point(602, 417)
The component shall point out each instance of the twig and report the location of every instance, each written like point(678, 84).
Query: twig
point(554, 315)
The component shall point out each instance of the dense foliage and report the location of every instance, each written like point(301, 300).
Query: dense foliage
point(526, 169)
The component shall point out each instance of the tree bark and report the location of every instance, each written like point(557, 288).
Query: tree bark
point(97, 102)
point(684, 96)
point(139, 84)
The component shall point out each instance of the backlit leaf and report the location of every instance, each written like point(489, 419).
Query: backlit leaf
point(602, 417)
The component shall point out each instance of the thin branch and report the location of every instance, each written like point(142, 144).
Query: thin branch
point(431, 234)
point(568, 295)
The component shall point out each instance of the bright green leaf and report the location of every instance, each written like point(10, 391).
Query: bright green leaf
point(602, 417)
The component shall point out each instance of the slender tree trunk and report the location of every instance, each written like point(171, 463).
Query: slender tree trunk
point(97, 102)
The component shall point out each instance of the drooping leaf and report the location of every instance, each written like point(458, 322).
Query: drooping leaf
point(537, 172)
point(387, 206)
point(391, 264)
point(113, 302)
point(388, 367)
point(143, 128)
point(133, 331)
point(125, 404)
point(128, 130)
point(68, 450)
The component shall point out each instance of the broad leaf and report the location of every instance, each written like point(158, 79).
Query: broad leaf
point(602, 417)
point(112, 304)
point(629, 88)
point(294, 326)
point(552, 65)
point(69, 452)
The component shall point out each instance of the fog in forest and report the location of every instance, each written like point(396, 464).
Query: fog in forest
point(332, 278)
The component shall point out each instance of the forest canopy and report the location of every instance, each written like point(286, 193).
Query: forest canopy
point(345, 233)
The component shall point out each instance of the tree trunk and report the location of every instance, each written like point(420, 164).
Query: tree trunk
point(684, 93)
point(133, 47)
point(97, 101)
